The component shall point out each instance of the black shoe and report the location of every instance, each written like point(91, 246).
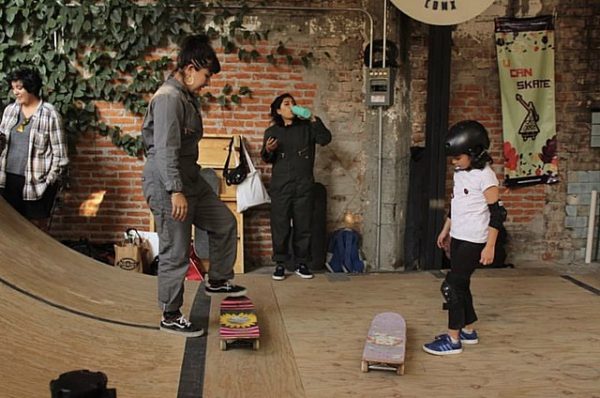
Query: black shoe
point(224, 287)
point(303, 272)
point(279, 273)
point(180, 326)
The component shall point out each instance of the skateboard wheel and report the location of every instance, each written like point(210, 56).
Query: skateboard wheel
point(400, 370)
point(223, 345)
point(255, 345)
point(364, 366)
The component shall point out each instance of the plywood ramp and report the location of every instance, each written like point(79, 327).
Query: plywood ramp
point(241, 372)
point(592, 280)
point(61, 311)
point(40, 342)
point(540, 336)
point(37, 264)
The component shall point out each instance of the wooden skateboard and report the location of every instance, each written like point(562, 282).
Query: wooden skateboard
point(385, 346)
point(238, 322)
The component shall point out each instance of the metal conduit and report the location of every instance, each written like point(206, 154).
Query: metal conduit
point(380, 152)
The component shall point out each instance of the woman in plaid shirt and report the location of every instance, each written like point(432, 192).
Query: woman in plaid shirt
point(33, 151)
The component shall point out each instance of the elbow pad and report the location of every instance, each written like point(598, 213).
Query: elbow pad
point(497, 215)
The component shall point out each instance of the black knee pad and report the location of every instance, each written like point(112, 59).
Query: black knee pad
point(449, 294)
point(453, 289)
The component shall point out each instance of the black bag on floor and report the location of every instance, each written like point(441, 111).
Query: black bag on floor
point(81, 384)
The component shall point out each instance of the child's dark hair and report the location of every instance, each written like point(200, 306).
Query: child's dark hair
point(32, 82)
point(481, 160)
point(196, 50)
point(276, 104)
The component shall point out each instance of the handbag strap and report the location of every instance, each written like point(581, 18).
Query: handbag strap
point(243, 162)
point(136, 240)
point(226, 168)
point(246, 155)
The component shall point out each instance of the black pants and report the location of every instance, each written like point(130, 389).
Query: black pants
point(30, 209)
point(464, 259)
point(292, 203)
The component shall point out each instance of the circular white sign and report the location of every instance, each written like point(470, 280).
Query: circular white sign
point(442, 12)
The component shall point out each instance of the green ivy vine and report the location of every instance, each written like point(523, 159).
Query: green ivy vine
point(91, 51)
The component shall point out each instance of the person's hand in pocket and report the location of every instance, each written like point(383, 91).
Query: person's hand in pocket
point(2, 142)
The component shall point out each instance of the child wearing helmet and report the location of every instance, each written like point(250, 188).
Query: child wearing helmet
point(478, 217)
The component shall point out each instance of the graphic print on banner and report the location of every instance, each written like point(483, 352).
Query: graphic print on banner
point(442, 12)
point(525, 49)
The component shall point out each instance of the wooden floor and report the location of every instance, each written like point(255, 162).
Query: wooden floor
point(539, 331)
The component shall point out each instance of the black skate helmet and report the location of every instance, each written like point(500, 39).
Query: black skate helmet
point(467, 137)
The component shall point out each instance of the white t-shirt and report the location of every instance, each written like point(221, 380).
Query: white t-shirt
point(470, 216)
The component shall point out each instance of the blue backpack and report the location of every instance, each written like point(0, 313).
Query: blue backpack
point(343, 254)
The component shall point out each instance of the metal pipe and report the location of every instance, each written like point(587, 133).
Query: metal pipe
point(384, 31)
point(380, 154)
point(379, 189)
point(591, 223)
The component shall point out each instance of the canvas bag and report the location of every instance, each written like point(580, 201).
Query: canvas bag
point(129, 253)
point(251, 192)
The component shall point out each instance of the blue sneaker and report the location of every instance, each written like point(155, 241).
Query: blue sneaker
point(443, 345)
point(468, 338)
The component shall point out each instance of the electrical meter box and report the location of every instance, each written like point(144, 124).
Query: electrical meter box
point(380, 87)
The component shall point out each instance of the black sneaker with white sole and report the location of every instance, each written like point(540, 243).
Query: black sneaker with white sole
point(224, 287)
point(180, 326)
point(303, 272)
point(279, 273)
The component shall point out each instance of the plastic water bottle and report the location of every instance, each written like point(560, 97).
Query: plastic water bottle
point(301, 112)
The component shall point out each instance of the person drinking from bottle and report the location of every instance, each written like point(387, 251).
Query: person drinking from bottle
point(289, 145)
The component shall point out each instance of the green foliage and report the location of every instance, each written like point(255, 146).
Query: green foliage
point(99, 51)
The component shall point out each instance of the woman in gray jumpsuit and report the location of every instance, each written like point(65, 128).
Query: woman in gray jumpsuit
point(175, 192)
point(289, 144)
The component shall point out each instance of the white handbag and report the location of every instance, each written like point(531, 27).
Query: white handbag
point(251, 192)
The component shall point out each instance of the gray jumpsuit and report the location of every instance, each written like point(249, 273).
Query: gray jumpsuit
point(171, 131)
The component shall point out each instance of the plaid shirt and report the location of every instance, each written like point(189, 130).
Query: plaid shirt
point(47, 148)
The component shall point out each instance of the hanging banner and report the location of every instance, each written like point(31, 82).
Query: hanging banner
point(525, 50)
point(442, 12)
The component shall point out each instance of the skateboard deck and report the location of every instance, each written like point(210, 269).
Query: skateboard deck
point(385, 346)
point(238, 322)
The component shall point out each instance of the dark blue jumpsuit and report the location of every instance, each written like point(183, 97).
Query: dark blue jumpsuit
point(292, 184)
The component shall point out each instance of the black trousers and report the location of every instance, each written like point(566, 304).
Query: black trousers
point(30, 209)
point(291, 203)
point(464, 260)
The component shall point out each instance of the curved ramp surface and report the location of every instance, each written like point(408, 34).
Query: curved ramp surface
point(63, 311)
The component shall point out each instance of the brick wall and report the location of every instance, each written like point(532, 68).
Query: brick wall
point(540, 222)
point(105, 195)
point(333, 88)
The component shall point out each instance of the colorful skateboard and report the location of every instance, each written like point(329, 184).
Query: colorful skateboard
point(386, 343)
point(238, 322)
